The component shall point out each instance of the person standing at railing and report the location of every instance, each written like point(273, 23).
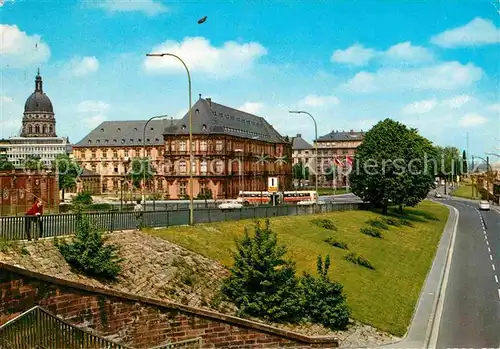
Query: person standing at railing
point(34, 215)
point(138, 209)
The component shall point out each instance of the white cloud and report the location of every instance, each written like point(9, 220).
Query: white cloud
point(148, 7)
point(251, 107)
point(475, 33)
point(457, 101)
point(355, 55)
point(92, 112)
point(199, 55)
point(420, 107)
point(406, 52)
point(494, 107)
point(9, 116)
point(319, 101)
point(472, 119)
point(18, 49)
point(6, 100)
point(444, 76)
point(80, 66)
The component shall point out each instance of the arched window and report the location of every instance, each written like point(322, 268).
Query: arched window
point(51, 129)
point(203, 167)
point(37, 128)
point(30, 129)
point(44, 128)
point(182, 166)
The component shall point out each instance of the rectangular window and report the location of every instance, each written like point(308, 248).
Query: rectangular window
point(218, 145)
point(104, 154)
point(182, 188)
point(115, 154)
point(93, 154)
point(182, 145)
point(125, 153)
point(203, 167)
point(182, 166)
point(193, 167)
point(203, 145)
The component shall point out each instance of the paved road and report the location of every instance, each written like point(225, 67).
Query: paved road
point(470, 315)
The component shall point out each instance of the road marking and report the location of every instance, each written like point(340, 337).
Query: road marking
point(493, 266)
point(491, 257)
point(489, 250)
point(499, 293)
point(496, 279)
point(487, 243)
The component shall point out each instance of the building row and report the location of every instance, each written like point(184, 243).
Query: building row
point(231, 150)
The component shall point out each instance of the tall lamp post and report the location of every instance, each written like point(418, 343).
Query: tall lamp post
point(315, 146)
point(488, 168)
point(144, 155)
point(191, 189)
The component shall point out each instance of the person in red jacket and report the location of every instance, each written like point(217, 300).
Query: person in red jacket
point(34, 214)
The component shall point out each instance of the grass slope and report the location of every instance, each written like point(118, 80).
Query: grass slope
point(465, 191)
point(385, 297)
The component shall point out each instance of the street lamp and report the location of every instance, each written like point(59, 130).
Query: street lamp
point(240, 174)
point(191, 213)
point(488, 168)
point(144, 155)
point(315, 145)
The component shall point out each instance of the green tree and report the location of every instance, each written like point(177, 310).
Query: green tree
point(324, 300)
point(141, 169)
point(330, 173)
point(34, 163)
point(67, 170)
point(392, 164)
point(465, 165)
point(5, 164)
point(88, 252)
point(300, 172)
point(263, 281)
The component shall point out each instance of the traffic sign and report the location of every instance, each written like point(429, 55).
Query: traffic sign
point(272, 184)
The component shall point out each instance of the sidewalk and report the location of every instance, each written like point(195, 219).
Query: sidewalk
point(421, 327)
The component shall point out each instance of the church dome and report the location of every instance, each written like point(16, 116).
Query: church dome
point(38, 101)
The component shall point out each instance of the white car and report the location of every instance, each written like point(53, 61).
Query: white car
point(230, 205)
point(306, 202)
point(484, 205)
point(438, 195)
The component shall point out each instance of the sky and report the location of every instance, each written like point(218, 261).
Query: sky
point(433, 65)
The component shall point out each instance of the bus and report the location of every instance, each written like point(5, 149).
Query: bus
point(248, 198)
point(293, 197)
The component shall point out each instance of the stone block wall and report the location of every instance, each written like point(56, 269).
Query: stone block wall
point(138, 321)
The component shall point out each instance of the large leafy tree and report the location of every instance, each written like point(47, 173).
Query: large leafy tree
point(392, 165)
point(34, 163)
point(300, 172)
point(140, 169)
point(5, 164)
point(67, 171)
point(263, 282)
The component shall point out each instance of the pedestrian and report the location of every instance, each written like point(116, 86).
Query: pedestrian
point(34, 215)
point(138, 209)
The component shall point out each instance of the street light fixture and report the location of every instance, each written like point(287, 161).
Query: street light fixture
point(488, 168)
point(315, 146)
point(144, 155)
point(191, 212)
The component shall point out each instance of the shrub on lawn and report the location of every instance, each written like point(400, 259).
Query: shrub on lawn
point(407, 223)
point(393, 221)
point(263, 281)
point(88, 253)
point(324, 223)
point(324, 300)
point(357, 259)
point(82, 198)
point(336, 243)
point(375, 223)
point(372, 232)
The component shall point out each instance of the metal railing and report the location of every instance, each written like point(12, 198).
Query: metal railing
point(13, 227)
point(38, 328)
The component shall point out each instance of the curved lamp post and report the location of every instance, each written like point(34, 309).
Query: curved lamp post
point(488, 168)
point(191, 213)
point(144, 155)
point(315, 146)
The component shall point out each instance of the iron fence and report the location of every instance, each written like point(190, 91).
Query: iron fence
point(38, 328)
point(14, 227)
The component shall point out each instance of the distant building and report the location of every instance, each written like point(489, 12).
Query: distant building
point(302, 152)
point(233, 150)
point(340, 145)
point(37, 137)
point(108, 151)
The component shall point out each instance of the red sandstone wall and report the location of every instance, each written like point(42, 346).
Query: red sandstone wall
point(132, 322)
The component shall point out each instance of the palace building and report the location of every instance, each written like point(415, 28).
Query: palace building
point(232, 151)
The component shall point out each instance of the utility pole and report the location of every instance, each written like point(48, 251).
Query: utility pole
point(467, 155)
point(487, 179)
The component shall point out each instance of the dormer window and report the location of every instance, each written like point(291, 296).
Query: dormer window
point(114, 140)
point(135, 128)
point(102, 130)
point(90, 141)
point(152, 129)
point(204, 127)
point(106, 141)
point(123, 141)
point(147, 140)
point(119, 129)
point(183, 127)
point(197, 111)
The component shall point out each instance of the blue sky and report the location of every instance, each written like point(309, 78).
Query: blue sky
point(430, 64)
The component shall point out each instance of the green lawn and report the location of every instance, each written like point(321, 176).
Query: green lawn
point(465, 191)
point(385, 297)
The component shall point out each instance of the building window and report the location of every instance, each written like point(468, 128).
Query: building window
point(148, 152)
point(37, 129)
point(203, 166)
point(218, 145)
point(203, 145)
point(125, 153)
point(93, 154)
point(182, 166)
point(193, 167)
point(219, 166)
point(115, 154)
point(44, 128)
point(182, 145)
point(116, 169)
point(182, 188)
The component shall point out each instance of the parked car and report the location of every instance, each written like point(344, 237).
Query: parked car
point(484, 205)
point(438, 195)
point(230, 205)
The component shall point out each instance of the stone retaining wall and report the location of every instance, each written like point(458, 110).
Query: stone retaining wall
point(137, 321)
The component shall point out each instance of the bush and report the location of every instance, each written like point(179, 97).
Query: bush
point(378, 224)
point(407, 223)
point(88, 253)
point(82, 198)
point(263, 282)
point(393, 221)
point(324, 223)
point(324, 300)
point(335, 243)
point(357, 259)
point(372, 232)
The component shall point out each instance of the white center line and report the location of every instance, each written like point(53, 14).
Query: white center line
point(493, 266)
point(491, 257)
point(496, 279)
point(489, 250)
point(499, 293)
